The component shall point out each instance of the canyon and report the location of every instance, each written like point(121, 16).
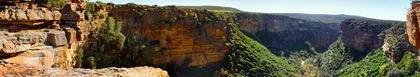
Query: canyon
point(79, 38)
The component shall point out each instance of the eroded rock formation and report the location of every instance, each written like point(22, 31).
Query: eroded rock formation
point(32, 34)
point(364, 35)
point(413, 30)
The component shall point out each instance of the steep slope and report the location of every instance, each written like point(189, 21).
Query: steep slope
point(249, 58)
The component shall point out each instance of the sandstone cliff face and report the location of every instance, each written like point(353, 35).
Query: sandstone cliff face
point(282, 33)
point(35, 35)
point(413, 26)
point(177, 35)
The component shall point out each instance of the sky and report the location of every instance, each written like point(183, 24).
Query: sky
point(379, 9)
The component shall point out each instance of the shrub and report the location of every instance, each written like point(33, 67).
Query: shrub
point(384, 69)
point(92, 62)
point(408, 64)
point(52, 4)
point(395, 73)
point(79, 57)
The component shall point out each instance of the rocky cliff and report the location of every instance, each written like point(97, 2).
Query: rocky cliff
point(364, 35)
point(413, 26)
point(37, 35)
point(282, 34)
point(185, 42)
point(40, 38)
point(358, 38)
point(175, 34)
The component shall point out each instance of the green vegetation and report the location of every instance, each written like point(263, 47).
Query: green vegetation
point(92, 62)
point(250, 58)
point(306, 60)
point(109, 43)
point(137, 51)
point(336, 57)
point(52, 4)
point(377, 64)
point(79, 57)
point(111, 36)
point(91, 10)
point(368, 67)
point(396, 38)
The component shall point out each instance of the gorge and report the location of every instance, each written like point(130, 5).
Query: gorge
point(81, 38)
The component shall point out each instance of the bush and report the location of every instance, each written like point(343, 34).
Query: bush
point(109, 45)
point(408, 64)
point(92, 62)
point(52, 4)
point(79, 57)
point(384, 69)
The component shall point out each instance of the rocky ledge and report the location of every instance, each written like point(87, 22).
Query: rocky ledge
point(16, 70)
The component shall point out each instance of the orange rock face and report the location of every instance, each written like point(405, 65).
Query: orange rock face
point(176, 33)
point(35, 35)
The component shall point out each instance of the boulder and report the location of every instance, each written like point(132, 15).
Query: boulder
point(6, 46)
point(71, 35)
point(57, 38)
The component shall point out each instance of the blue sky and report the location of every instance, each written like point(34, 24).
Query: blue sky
point(379, 9)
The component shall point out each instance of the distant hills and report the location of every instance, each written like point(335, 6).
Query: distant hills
point(324, 18)
point(214, 8)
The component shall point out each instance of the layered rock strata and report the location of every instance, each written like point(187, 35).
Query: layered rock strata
point(36, 35)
